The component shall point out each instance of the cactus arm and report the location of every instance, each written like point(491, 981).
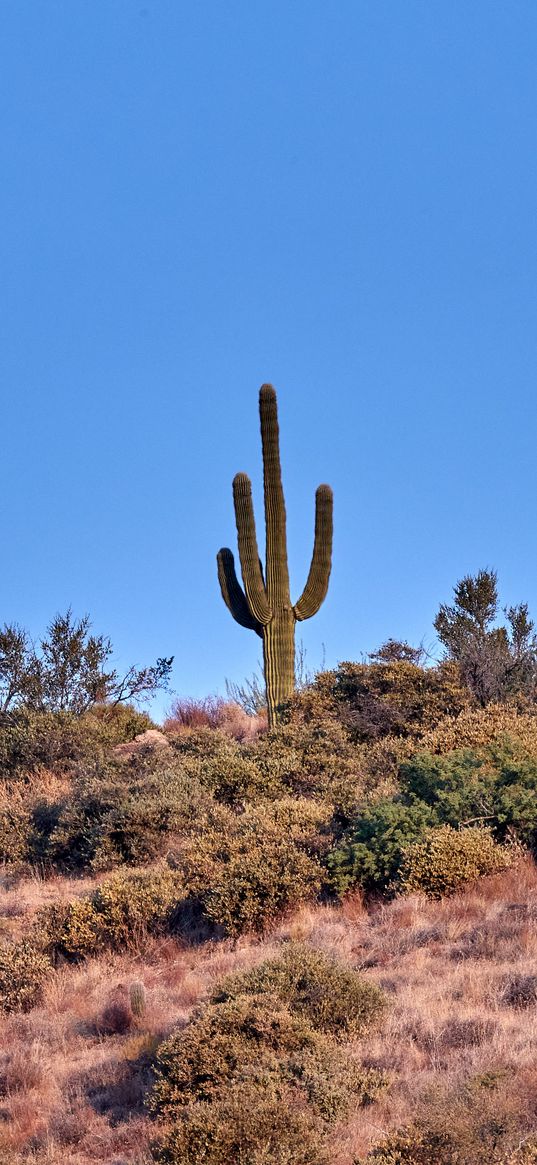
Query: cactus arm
point(277, 581)
point(317, 585)
point(248, 552)
point(232, 592)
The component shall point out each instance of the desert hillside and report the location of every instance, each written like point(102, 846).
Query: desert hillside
point(313, 944)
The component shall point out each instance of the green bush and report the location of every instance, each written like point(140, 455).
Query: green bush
point(246, 870)
point(497, 786)
point(457, 786)
point(23, 970)
point(306, 760)
point(251, 1038)
point(224, 767)
point(498, 783)
point(263, 1048)
point(333, 998)
point(390, 698)
point(314, 759)
point(447, 859)
point(119, 813)
point(49, 740)
point(59, 740)
point(246, 1127)
point(118, 914)
point(255, 1039)
point(370, 853)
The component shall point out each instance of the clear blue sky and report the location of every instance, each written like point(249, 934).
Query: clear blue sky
point(197, 197)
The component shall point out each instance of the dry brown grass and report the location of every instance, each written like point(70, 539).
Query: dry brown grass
point(458, 1034)
point(189, 715)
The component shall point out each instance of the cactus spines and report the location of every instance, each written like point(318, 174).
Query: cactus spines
point(264, 606)
point(137, 999)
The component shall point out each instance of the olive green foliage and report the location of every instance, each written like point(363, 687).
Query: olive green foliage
point(267, 1051)
point(265, 606)
point(394, 698)
point(496, 662)
point(315, 760)
point(23, 970)
point(246, 870)
point(15, 831)
point(332, 997)
point(247, 1127)
point(118, 812)
point(226, 768)
point(496, 787)
point(119, 914)
point(371, 852)
point(69, 670)
point(475, 1133)
point(446, 859)
point(58, 741)
point(250, 1038)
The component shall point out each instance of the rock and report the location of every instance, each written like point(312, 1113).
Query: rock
point(153, 739)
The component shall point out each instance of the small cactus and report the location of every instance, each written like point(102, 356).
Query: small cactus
point(265, 606)
point(137, 999)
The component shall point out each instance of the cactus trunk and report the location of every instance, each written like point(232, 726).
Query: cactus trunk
point(265, 606)
point(279, 661)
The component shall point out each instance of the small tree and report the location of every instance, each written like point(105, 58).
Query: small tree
point(397, 651)
point(18, 677)
point(70, 671)
point(495, 661)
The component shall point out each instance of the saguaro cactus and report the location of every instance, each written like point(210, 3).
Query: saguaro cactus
point(265, 606)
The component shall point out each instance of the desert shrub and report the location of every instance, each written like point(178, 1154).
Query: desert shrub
point(246, 869)
point(476, 728)
point(496, 787)
point(188, 712)
point(224, 767)
point(256, 1040)
point(499, 785)
point(15, 830)
point(189, 715)
point(393, 698)
point(447, 859)
point(122, 910)
point(515, 796)
point(51, 740)
point(23, 970)
point(246, 1126)
point(119, 723)
point(415, 1146)
point(458, 786)
point(251, 1038)
point(31, 740)
point(370, 853)
point(257, 1047)
point(476, 1121)
point(312, 759)
point(332, 997)
point(119, 813)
